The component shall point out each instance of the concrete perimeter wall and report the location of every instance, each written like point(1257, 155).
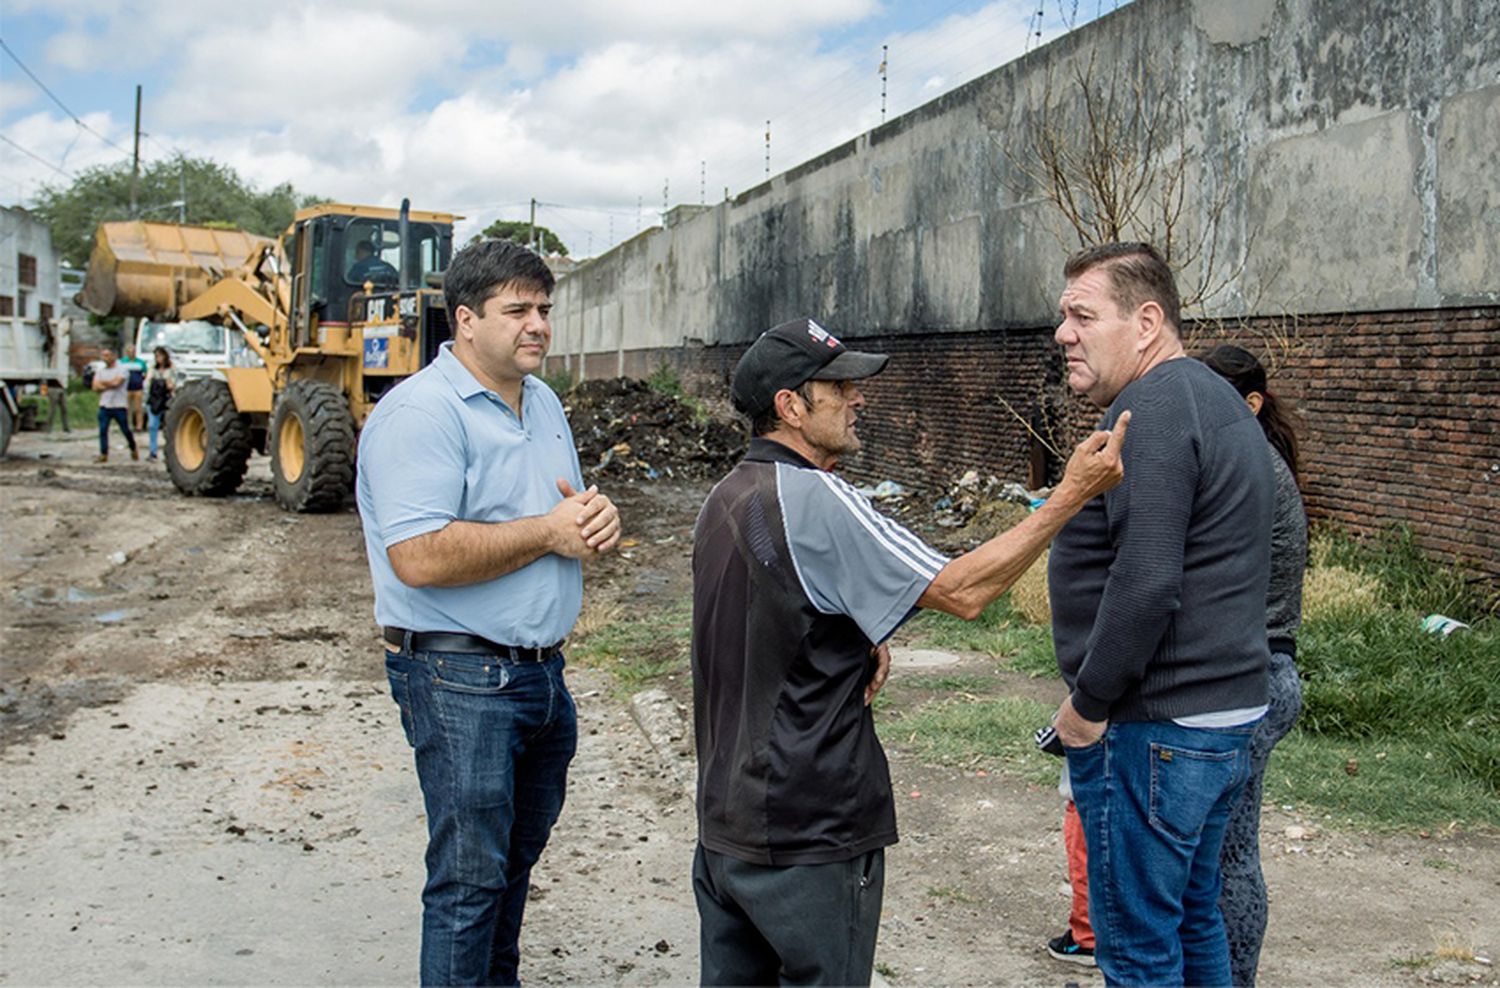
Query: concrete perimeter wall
point(1352, 147)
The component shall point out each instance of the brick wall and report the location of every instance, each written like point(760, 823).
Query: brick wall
point(1399, 418)
point(1398, 413)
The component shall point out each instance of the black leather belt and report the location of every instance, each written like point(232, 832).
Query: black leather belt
point(454, 641)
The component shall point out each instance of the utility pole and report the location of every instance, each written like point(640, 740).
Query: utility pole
point(768, 149)
point(532, 236)
point(885, 51)
point(135, 160)
point(702, 183)
point(182, 189)
point(666, 184)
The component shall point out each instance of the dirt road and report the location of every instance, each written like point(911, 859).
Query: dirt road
point(205, 781)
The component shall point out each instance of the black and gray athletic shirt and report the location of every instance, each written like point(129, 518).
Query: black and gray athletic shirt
point(795, 575)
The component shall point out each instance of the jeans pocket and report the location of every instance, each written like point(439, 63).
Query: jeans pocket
point(463, 672)
point(1185, 785)
point(401, 693)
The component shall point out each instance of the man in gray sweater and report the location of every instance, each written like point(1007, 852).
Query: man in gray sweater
point(1159, 615)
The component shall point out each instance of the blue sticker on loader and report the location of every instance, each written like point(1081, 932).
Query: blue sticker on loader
point(377, 353)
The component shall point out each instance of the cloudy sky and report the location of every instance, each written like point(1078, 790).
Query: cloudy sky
point(594, 107)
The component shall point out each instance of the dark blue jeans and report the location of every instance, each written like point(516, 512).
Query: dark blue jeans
point(1154, 799)
point(493, 739)
point(120, 418)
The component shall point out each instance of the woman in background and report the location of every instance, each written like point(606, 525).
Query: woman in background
point(161, 381)
point(1243, 899)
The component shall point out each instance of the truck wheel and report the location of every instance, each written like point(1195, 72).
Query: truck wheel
point(208, 440)
point(7, 425)
point(312, 447)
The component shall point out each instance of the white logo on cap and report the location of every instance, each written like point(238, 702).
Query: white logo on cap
point(820, 334)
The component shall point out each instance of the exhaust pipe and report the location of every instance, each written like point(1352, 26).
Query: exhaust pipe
point(403, 232)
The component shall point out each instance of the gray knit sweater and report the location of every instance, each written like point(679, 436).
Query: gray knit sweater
point(1288, 560)
point(1159, 586)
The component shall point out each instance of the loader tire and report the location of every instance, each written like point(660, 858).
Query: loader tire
point(208, 440)
point(312, 447)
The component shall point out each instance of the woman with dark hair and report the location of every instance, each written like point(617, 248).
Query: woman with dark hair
point(161, 381)
point(1243, 900)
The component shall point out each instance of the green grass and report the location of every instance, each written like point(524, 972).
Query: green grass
point(1412, 581)
point(83, 407)
point(636, 646)
point(664, 380)
point(999, 632)
point(1397, 784)
point(1400, 729)
point(560, 381)
point(947, 684)
point(995, 733)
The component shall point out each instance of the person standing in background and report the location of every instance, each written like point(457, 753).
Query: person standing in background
point(161, 381)
point(1243, 900)
point(135, 387)
point(111, 381)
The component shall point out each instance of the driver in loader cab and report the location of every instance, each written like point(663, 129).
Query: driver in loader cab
point(368, 267)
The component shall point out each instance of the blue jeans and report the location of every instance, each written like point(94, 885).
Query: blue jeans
point(493, 739)
point(1154, 799)
point(153, 425)
point(119, 417)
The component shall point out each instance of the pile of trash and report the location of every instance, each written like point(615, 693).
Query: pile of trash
point(626, 428)
point(971, 510)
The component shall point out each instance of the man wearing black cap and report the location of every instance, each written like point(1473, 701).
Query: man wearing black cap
point(797, 584)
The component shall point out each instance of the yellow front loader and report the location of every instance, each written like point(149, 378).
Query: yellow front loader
point(339, 309)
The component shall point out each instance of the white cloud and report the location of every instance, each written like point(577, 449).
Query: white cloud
point(461, 104)
point(17, 94)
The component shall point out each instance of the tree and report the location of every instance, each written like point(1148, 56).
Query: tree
point(1111, 153)
point(211, 194)
point(520, 232)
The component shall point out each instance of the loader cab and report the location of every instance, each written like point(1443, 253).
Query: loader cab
point(336, 251)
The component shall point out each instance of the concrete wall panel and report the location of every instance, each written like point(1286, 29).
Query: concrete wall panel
point(1336, 215)
point(1468, 196)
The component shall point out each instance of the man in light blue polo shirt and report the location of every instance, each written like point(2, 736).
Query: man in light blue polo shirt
point(474, 528)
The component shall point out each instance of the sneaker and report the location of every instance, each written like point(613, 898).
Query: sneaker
point(1064, 948)
point(135, 454)
point(151, 457)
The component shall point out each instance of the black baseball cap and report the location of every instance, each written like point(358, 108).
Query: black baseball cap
point(789, 356)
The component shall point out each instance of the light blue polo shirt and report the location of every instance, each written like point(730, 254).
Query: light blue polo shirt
point(440, 447)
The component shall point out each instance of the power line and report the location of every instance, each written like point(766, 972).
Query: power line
point(53, 96)
point(33, 154)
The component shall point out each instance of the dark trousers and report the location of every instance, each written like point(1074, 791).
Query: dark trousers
point(789, 925)
point(117, 415)
point(493, 740)
point(57, 409)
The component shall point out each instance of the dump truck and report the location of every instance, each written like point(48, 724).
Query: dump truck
point(332, 329)
point(33, 352)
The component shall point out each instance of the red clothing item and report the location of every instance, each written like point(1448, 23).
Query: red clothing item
point(1078, 876)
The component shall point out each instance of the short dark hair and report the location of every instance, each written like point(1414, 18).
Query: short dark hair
point(769, 420)
point(483, 268)
point(1137, 273)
